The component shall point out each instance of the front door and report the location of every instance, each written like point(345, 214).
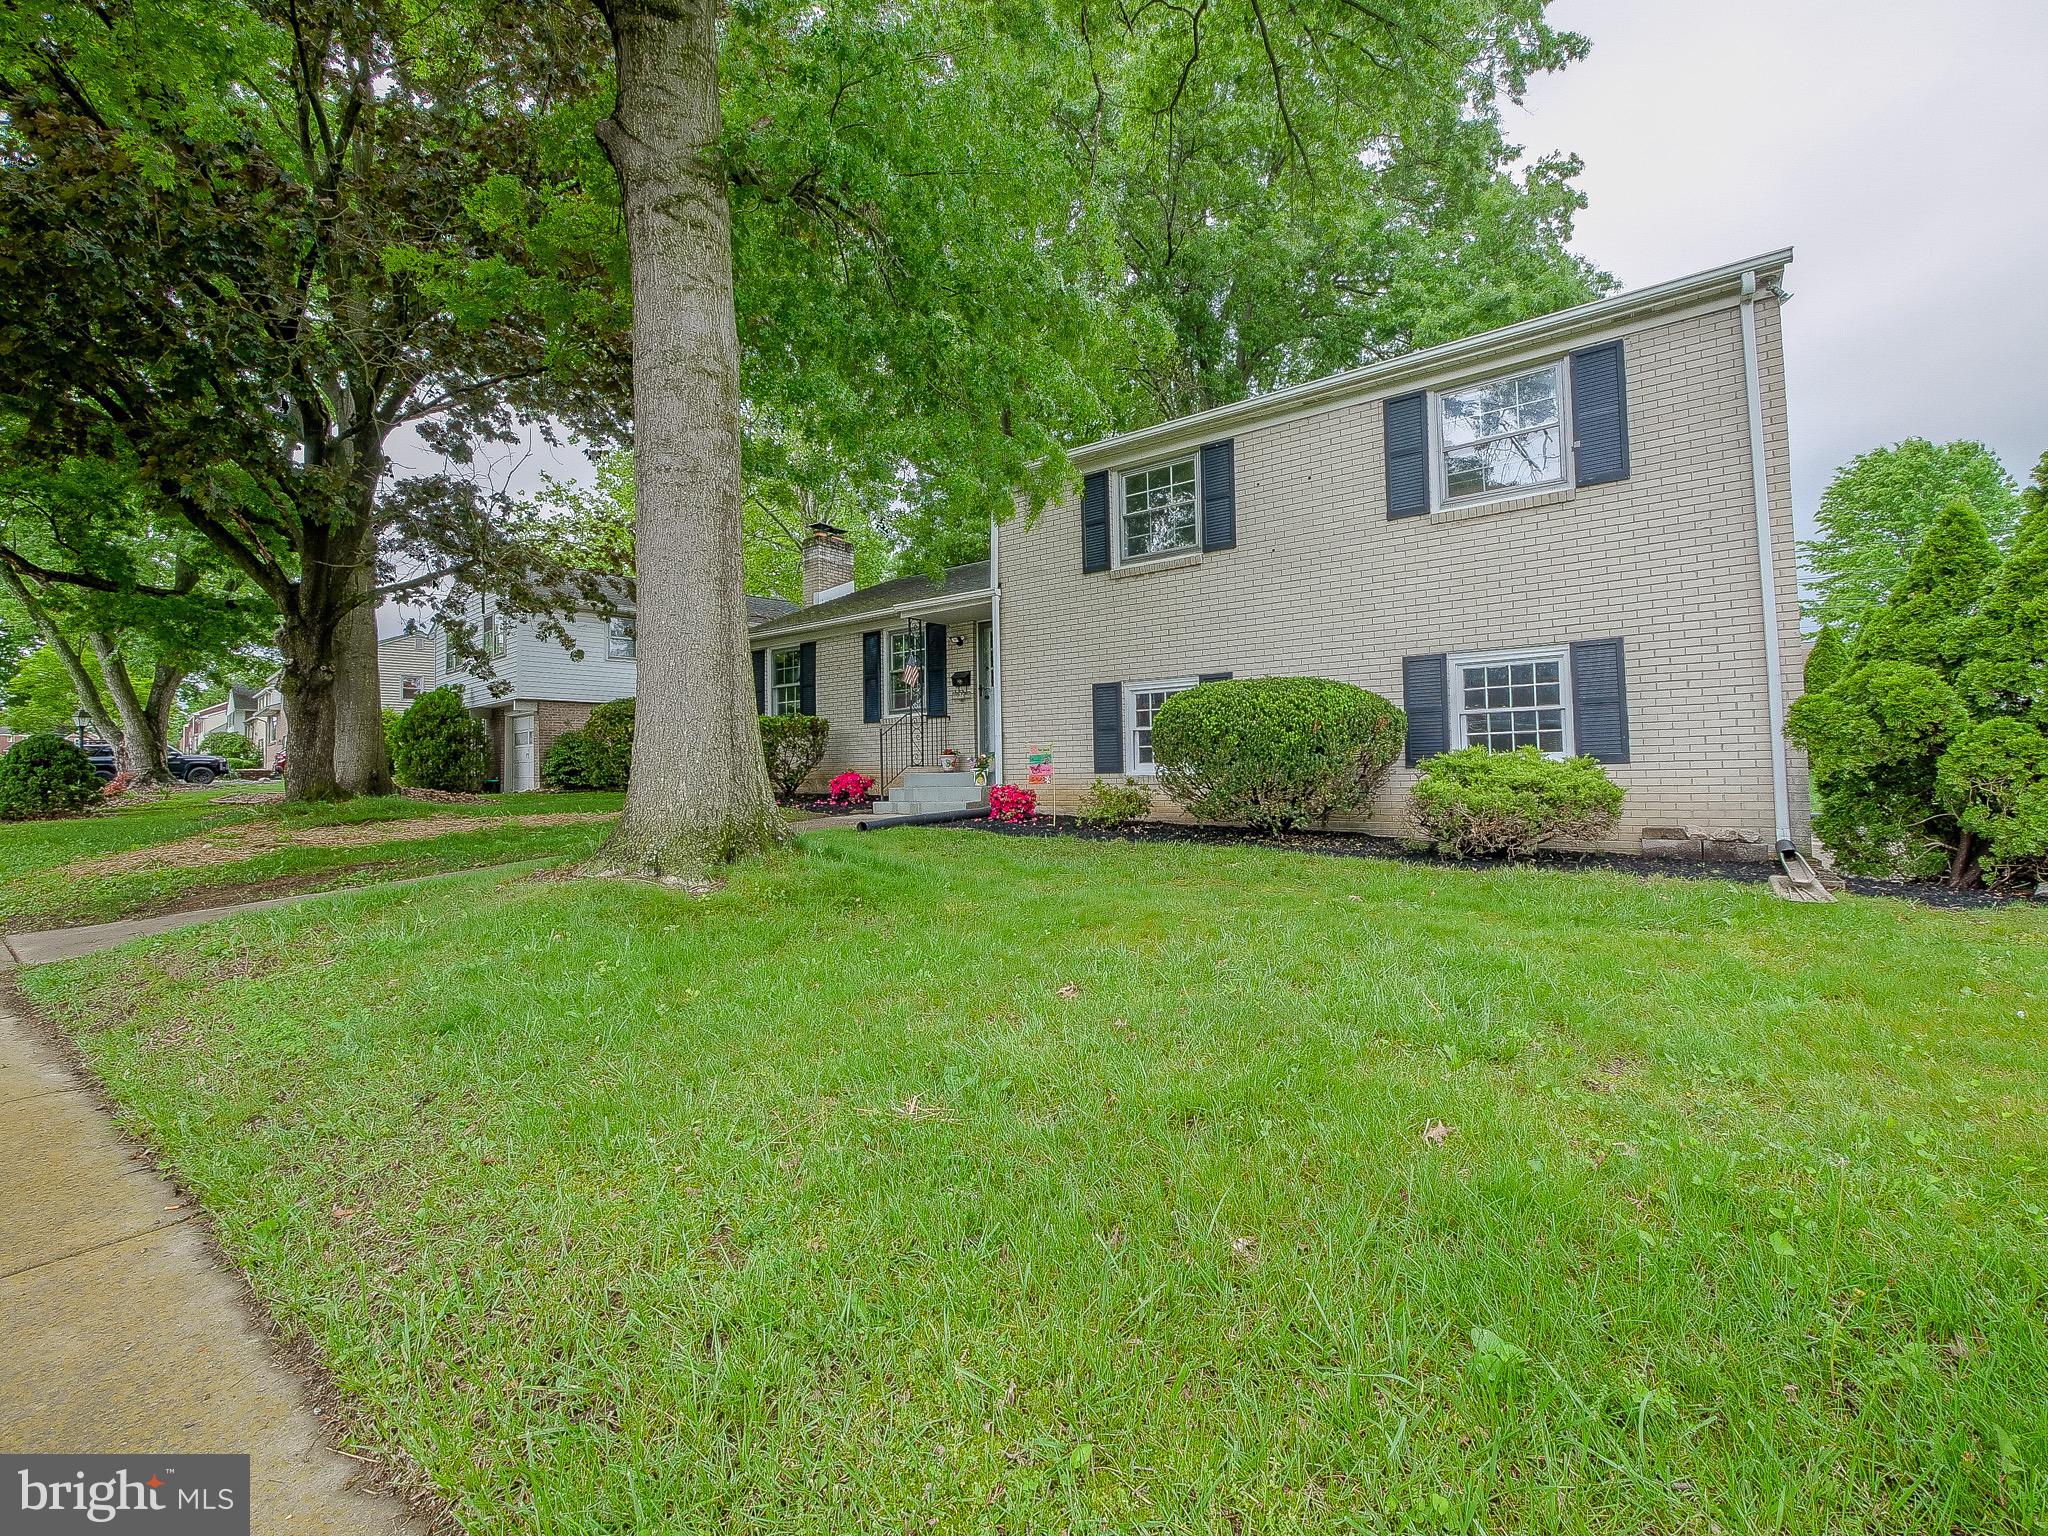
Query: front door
point(522, 775)
point(985, 689)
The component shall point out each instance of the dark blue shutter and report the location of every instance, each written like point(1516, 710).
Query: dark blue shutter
point(807, 678)
point(1219, 496)
point(760, 682)
point(1426, 697)
point(935, 670)
point(1599, 415)
point(871, 676)
point(1599, 701)
point(1405, 419)
point(1095, 522)
point(1109, 727)
point(1213, 677)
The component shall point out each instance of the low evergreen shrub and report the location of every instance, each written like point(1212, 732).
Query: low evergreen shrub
point(608, 744)
point(1474, 801)
point(238, 749)
point(793, 745)
point(566, 764)
point(1275, 752)
point(439, 744)
point(1108, 804)
point(45, 775)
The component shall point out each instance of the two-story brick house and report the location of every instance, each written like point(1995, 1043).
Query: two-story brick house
point(1547, 535)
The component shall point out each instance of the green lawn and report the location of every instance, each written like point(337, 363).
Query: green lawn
point(41, 885)
point(941, 1181)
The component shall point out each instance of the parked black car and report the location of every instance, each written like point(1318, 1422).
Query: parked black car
point(188, 767)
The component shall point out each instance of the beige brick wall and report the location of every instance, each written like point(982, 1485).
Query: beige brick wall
point(1322, 583)
point(854, 743)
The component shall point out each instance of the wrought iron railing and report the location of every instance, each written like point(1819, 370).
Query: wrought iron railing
point(913, 739)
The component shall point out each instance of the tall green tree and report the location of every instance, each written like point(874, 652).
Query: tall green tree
point(1922, 620)
point(851, 222)
point(244, 242)
point(1876, 510)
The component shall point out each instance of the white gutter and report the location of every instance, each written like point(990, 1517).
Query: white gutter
point(1766, 564)
point(995, 651)
point(1715, 282)
point(929, 607)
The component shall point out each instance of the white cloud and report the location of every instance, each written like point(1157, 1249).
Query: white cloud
point(1899, 147)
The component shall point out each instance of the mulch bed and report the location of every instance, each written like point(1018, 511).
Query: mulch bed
point(1366, 845)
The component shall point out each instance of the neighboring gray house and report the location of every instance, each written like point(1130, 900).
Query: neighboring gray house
point(539, 688)
point(406, 664)
point(1547, 534)
point(234, 713)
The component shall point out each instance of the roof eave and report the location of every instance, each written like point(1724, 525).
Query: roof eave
point(1375, 378)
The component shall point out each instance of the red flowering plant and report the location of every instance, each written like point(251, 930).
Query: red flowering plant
point(1007, 802)
point(848, 789)
point(118, 785)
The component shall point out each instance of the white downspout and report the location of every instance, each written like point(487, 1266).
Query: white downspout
point(1781, 793)
point(995, 650)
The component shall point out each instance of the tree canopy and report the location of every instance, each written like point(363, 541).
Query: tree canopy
point(1876, 510)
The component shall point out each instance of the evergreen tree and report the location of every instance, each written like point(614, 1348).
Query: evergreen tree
point(2006, 667)
point(1828, 662)
point(1937, 595)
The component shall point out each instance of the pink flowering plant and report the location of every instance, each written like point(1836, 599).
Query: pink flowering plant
point(1007, 802)
point(850, 788)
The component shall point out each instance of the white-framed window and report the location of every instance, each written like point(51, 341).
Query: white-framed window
point(622, 639)
point(409, 686)
point(1159, 502)
point(906, 668)
point(491, 636)
point(1141, 706)
point(786, 681)
point(1513, 699)
point(1501, 436)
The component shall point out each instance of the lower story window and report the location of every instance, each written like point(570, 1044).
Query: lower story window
point(1141, 707)
point(786, 696)
point(1512, 700)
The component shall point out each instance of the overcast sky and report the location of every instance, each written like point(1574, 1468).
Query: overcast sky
point(1900, 149)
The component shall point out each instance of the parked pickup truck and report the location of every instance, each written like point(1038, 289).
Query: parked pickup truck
point(187, 767)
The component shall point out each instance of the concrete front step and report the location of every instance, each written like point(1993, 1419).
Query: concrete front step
point(938, 778)
point(951, 792)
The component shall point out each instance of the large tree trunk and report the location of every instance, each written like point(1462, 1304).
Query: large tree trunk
point(307, 683)
point(141, 751)
point(699, 794)
point(361, 765)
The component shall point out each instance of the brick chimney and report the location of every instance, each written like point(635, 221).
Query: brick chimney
point(828, 562)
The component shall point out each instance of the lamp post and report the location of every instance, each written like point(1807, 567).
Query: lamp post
point(81, 719)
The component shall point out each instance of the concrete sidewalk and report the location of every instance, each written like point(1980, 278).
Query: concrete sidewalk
point(123, 1333)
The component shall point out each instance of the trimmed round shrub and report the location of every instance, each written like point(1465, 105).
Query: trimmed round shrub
point(238, 749)
point(608, 745)
point(439, 744)
point(1108, 804)
point(1474, 801)
point(1275, 752)
point(45, 776)
point(793, 745)
point(567, 762)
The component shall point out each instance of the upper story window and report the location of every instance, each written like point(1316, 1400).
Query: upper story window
point(1503, 435)
point(786, 673)
point(621, 640)
point(491, 636)
point(409, 686)
point(1141, 707)
point(1512, 700)
point(906, 667)
point(1159, 507)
